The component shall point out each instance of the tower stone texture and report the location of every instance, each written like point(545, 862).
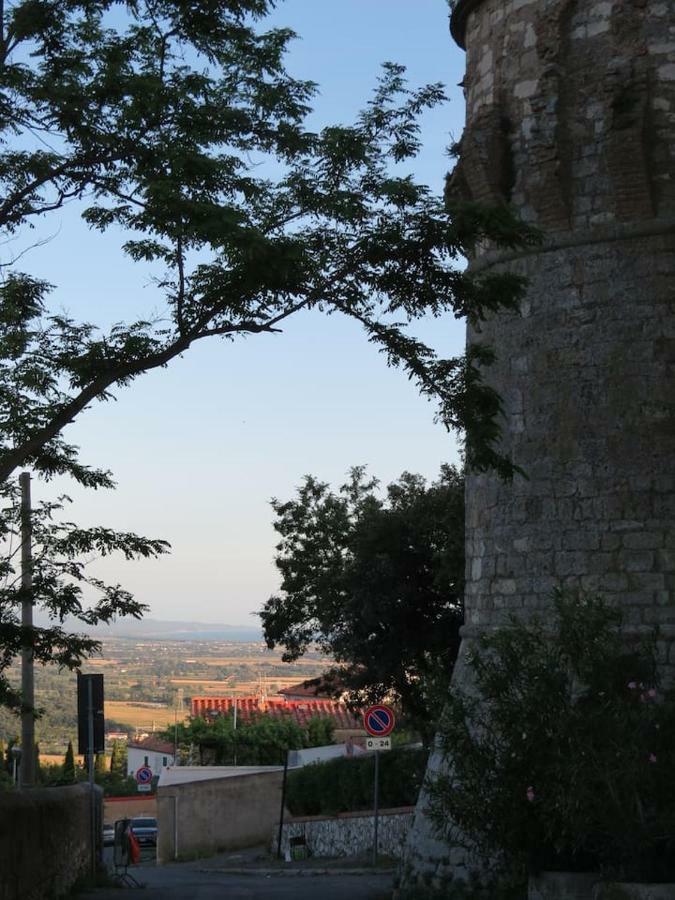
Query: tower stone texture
point(571, 120)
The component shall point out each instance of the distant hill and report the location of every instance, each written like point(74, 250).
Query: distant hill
point(159, 629)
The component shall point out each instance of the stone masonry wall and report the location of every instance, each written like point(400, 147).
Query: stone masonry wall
point(349, 834)
point(586, 368)
point(571, 120)
point(45, 840)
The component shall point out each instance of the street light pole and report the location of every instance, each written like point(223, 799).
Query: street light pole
point(27, 770)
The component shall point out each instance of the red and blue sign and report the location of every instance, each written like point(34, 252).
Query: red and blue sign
point(144, 775)
point(379, 720)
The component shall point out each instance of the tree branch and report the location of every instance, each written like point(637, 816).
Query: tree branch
point(9, 204)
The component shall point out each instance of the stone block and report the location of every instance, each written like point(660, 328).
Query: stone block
point(642, 540)
point(636, 560)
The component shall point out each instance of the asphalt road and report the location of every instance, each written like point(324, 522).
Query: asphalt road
point(193, 881)
point(179, 882)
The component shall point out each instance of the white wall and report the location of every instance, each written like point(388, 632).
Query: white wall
point(156, 761)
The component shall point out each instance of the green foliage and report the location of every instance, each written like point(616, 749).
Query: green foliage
point(118, 758)
point(262, 740)
point(100, 766)
point(320, 731)
point(159, 117)
point(69, 763)
point(118, 784)
point(259, 741)
point(346, 784)
point(376, 583)
point(560, 755)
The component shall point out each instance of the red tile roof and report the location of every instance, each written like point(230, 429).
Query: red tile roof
point(154, 744)
point(311, 689)
point(301, 711)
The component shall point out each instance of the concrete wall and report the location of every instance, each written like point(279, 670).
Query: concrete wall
point(45, 840)
point(349, 834)
point(205, 817)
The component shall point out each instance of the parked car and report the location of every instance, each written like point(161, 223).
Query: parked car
point(145, 830)
point(108, 835)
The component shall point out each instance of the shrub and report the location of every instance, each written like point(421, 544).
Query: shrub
point(346, 784)
point(561, 753)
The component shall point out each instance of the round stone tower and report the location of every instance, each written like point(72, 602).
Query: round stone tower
point(571, 121)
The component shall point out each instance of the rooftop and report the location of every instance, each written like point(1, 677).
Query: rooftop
point(153, 744)
point(311, 689)
point(302, 711)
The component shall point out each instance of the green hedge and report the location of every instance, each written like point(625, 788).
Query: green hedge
point(346, 784)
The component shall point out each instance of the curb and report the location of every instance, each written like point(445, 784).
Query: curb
point(295, 873)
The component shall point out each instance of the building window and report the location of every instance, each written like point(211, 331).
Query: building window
point(164, 760)
point(145, 761)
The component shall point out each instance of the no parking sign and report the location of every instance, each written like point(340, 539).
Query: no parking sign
point(144, 778)
point(379, 720)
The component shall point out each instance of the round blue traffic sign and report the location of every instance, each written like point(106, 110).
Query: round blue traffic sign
point(144, 775)
point(379, 720)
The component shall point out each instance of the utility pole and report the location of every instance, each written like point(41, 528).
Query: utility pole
point(27, 770)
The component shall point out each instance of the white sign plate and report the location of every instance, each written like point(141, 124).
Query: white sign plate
point(378, 743)
point(144, 788)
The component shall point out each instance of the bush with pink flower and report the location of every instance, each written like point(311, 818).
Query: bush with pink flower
point(561, 752)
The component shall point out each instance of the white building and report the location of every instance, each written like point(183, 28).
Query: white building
point(152, 752)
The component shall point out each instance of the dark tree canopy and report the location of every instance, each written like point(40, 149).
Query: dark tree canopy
point(376, 583)
point(155, 116)
point(174, 125)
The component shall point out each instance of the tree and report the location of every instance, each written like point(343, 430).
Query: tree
point(62, 585)
point(376, 583)
point(100, 768)
point(118, 758)
point(320, 730)
point(159, 117)
point(260, 740)
point(69, 763)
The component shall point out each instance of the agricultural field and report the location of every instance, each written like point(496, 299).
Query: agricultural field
point(142, 716)
point(149, 684)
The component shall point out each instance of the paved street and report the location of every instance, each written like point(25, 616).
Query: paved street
point(181, 883)
point(203, 880)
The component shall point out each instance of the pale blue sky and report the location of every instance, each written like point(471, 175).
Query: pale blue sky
point(199, 449)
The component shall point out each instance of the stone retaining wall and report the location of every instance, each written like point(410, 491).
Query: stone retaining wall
point(349, 834)
point(45, 840)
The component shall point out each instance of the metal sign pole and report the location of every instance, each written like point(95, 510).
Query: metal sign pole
point(90, 765)
point(283, 804)
point(378, 720)
point(28, 766)
point(376, 803)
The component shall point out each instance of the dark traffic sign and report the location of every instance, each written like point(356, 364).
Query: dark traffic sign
point(87, 684)
point(379, 720)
